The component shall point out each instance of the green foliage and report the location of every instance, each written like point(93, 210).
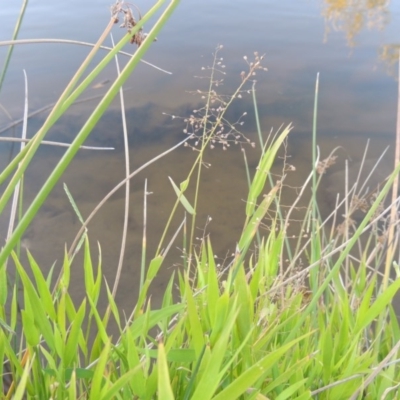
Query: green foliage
point(218, 341)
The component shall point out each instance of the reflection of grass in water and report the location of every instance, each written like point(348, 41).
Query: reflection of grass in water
point(351, 16)
point(390, 54)
point(280, 318)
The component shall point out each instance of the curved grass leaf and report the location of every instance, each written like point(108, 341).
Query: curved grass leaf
point(164, 385)
point(20, 391)
point(376, 309)
point(258, 183)
point(40, 316)
point(252, 374)
point(184, 201)
point(42, 287)
point(71, 348)
point(98, 381)
point(210, 378)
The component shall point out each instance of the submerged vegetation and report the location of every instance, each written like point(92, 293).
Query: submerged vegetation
point(303, 317)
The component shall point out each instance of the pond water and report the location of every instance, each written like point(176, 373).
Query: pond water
point(354, 51)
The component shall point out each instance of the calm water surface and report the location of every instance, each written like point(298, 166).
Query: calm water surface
point(300, 38)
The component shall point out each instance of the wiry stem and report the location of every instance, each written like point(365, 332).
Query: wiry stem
point(392, 240)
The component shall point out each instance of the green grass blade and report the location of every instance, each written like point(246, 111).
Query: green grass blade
point(182, 198)
point(119, 385)
point(31, 333)
point(20, 391)
point(212, 289)
point(14, 36)
point(291, 390)
point(40, 316)
point(154, 318)
point(383, 300)
point(73, 204)
point(43, 288)
point(211, 376)
point(98, 381)
point(262, 172)
point(196, 328)
point(164, 385)
point(251, 375)
point(71, 348)
point(3, 286)
point(72, 387)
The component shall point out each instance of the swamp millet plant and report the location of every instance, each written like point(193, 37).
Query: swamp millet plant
point(283, 318)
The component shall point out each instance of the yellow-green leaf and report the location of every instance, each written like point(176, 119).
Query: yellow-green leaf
point(181, 197)
point(164, 384)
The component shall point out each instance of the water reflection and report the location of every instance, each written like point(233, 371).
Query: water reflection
point(352, 16)
point(390, 54)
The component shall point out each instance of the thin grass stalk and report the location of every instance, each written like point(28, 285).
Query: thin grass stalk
point(393, 212)
point(287, 221)
point(347, 218)
point(314, 170)
point(20, 213)
point(314, 146)
point(326, 256)
point(259, 133)
point(336, 248)
point(127, 185)
point(80, 219)
point(116, 188)
point(332, 236)
point(17, 196)
point(14, 36)
point(52, 143)
point(305, 223)
point(391, 237)
point(343, 254)
point(277, 201)
point(246, 165)
point(333, 384)
point(80, 43)
point(23, 138)
point(200, 163)
point(17, 202)
point(174, 236)
point(377, 370)
point(373, 170)
point(138, 309)
point(262, 146)
point(144, 238)
point(299, 251)
point(13, 164)
point(48, 107)
point(184, 247)
point(86, 129)
point(361, 167)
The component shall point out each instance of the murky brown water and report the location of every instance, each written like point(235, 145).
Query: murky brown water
point(357, 102)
